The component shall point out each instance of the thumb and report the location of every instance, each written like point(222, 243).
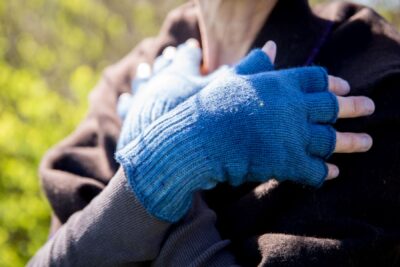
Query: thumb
point(258, 60)
point(270, 49)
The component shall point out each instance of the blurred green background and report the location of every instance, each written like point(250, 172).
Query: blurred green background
point(51, 54)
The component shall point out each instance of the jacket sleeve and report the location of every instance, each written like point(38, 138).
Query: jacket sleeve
point(78, 168)
point(195, 241)
point(114, 229)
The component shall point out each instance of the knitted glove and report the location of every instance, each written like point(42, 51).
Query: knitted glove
point(247, 125)
point(143, 74)
point(174, 81)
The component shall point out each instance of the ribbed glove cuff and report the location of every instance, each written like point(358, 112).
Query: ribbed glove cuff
point(167, 163)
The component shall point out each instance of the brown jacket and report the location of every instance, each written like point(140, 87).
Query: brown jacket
point(352, 221)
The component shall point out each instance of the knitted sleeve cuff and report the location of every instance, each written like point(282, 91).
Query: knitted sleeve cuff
point(167, 163)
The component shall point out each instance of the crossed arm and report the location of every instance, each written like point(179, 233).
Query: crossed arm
point(116, 229)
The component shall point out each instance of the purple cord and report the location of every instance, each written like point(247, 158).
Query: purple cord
point(320, 43)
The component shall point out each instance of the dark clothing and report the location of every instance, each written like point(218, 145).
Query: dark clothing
point(114, 229)
point(351, 221)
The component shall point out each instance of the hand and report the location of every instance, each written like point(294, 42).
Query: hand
point(125, 100)
point(349, 107)
point(144, 73)
point(249, 124)
point(176, 77)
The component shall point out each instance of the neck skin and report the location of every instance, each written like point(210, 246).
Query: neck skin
point(229, 27)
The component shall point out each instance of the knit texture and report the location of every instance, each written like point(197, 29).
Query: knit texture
point(142, 76)
point(250, 124)
point(126, 100)
point(173, 81)
point(358, 210)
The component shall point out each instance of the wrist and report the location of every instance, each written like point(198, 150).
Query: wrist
point(168, 162)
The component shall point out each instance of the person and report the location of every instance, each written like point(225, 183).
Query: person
point(171, 150)
point(325, 217)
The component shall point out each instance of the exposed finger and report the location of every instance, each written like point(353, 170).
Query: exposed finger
point(338, 86)
point(193, 43)
point(352, 142)
point(333, 172)
point(355, 106)
point(270, 49)
point(188, 57)
point(164, 60)
point(143, 71)
point(169, 52)
point(258, 60)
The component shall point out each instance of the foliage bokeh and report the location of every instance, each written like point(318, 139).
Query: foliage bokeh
point(51, 54)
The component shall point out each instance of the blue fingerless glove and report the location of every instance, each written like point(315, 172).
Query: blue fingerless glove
point(247, 125)
point(174, 81)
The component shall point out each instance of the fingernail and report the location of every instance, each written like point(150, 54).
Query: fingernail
point(367, 142)
point(193, 43)
point(369, 105)
point(269, 48)
point(143, 71)
point(335, 172)
point(125, 97)
point(345, 85)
